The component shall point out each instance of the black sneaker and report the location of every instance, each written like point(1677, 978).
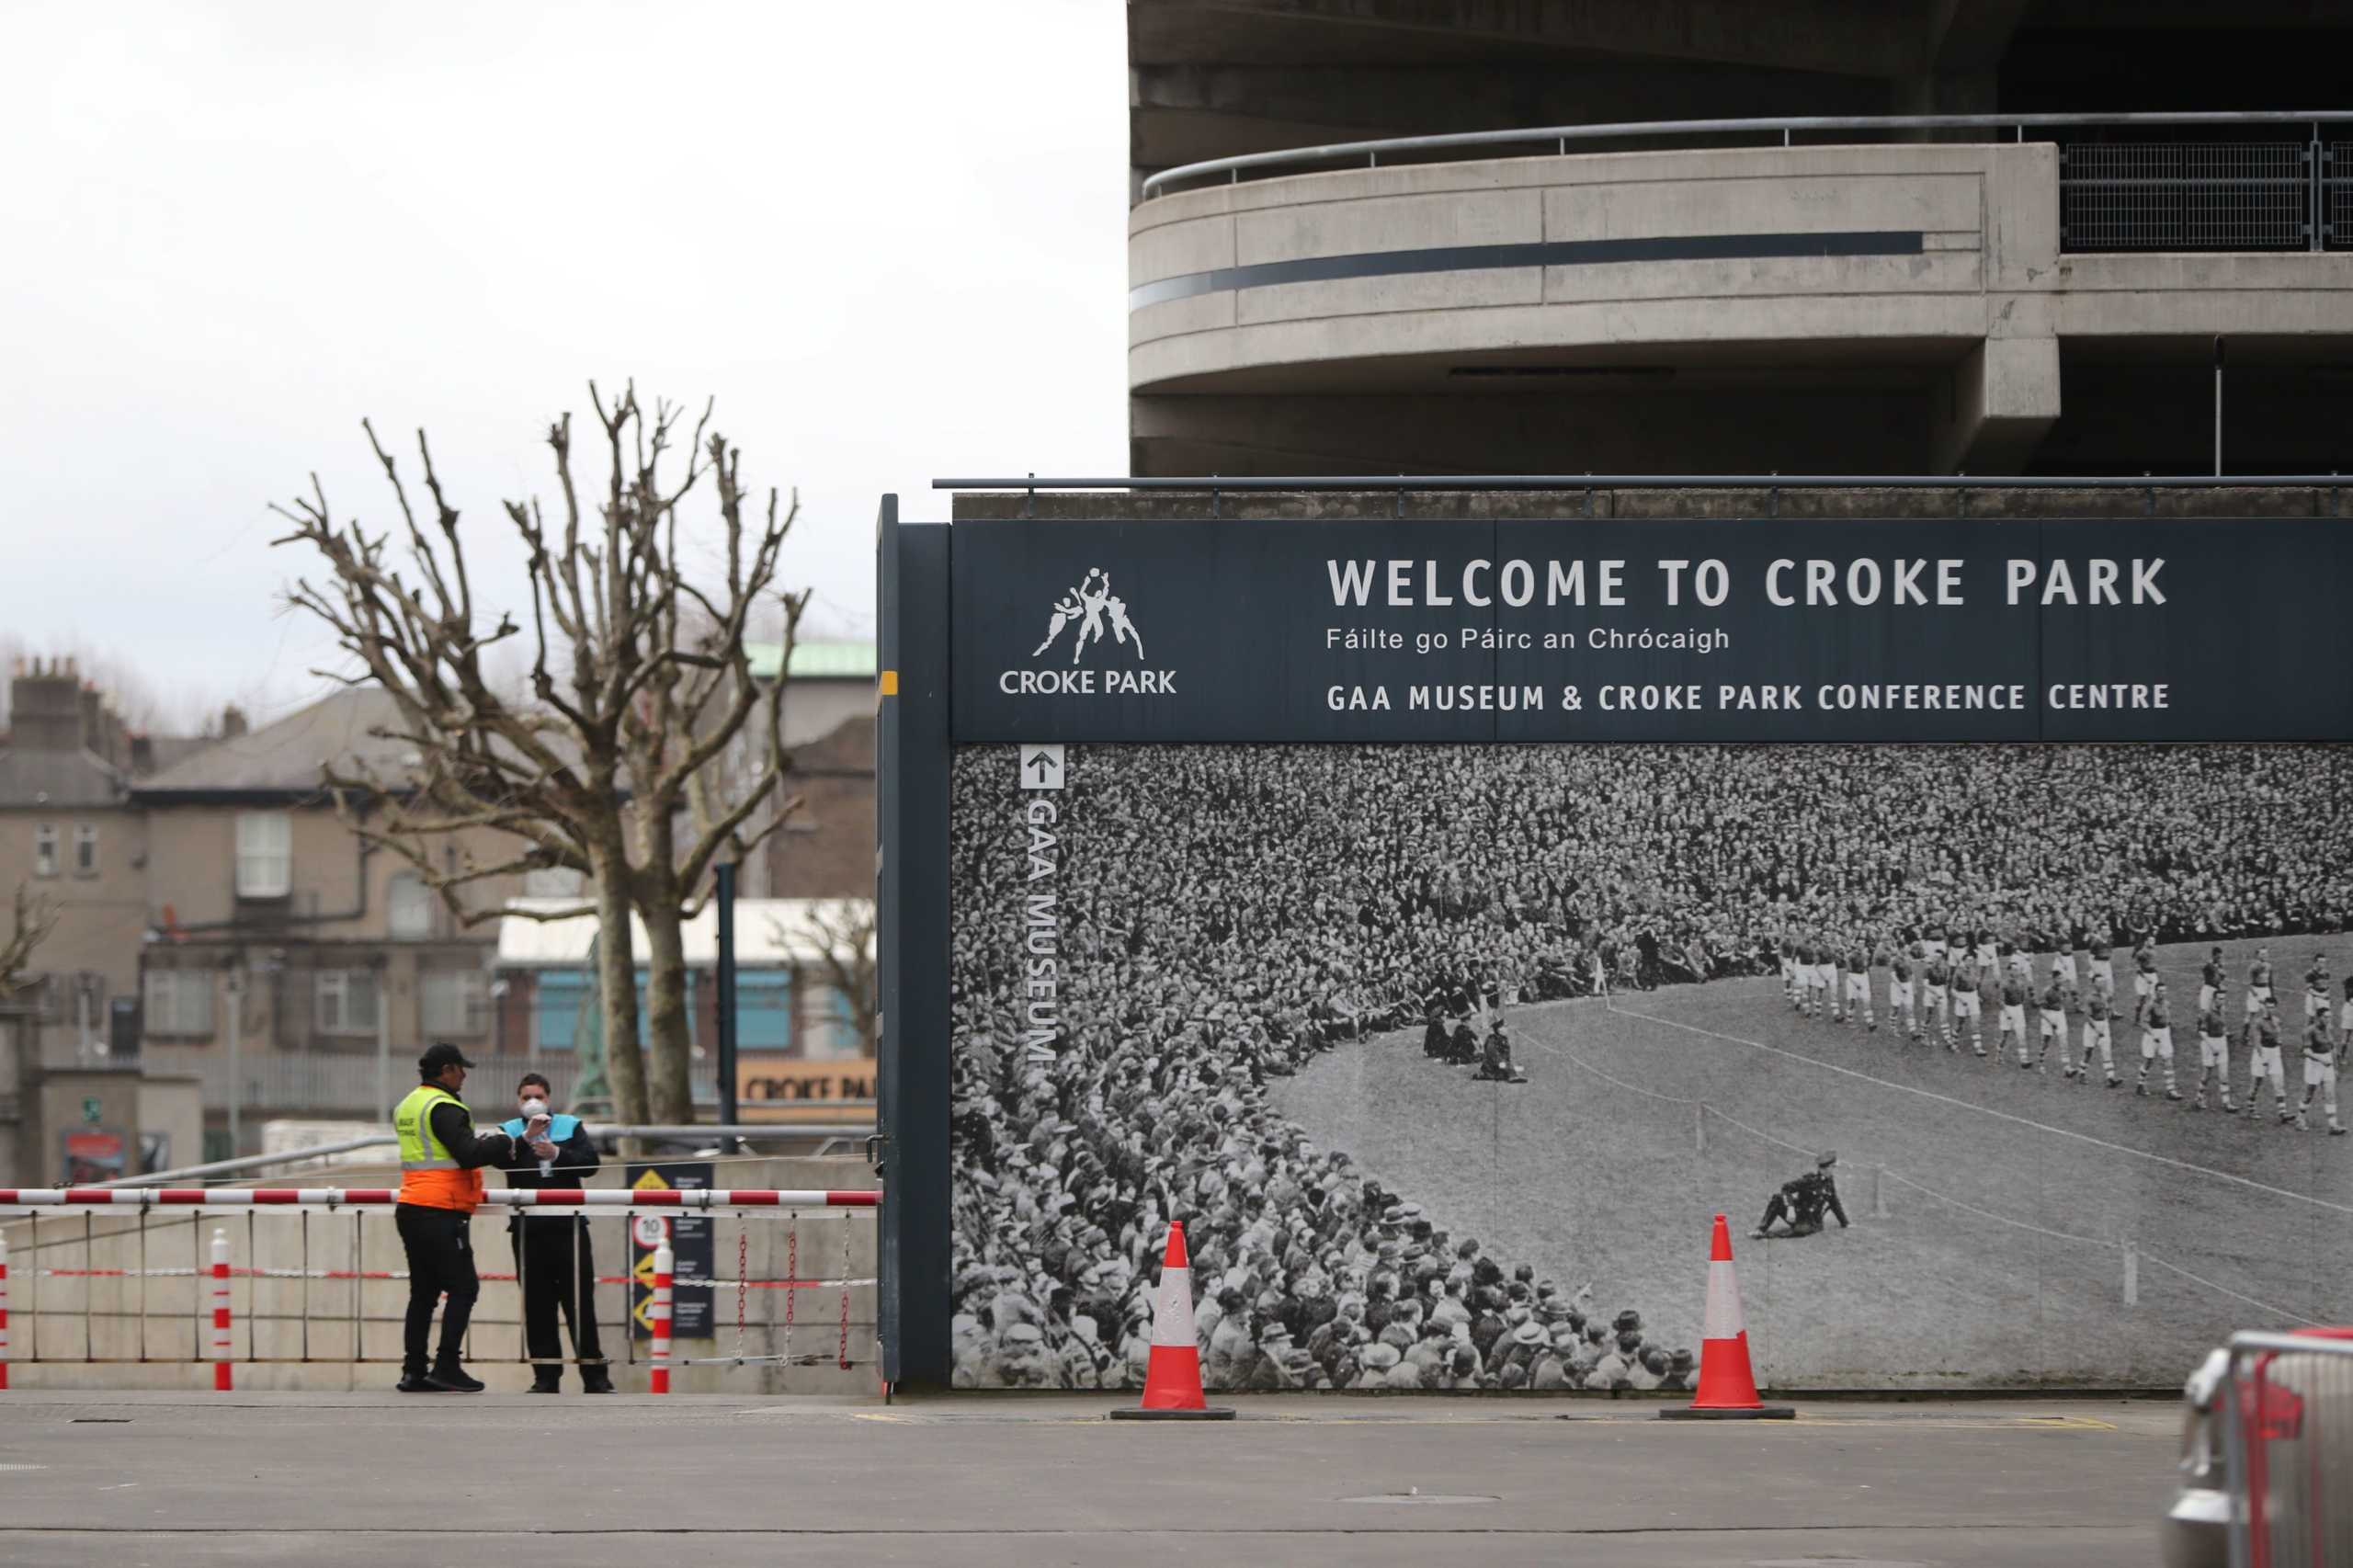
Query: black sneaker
point(595, 1380)
point(453, 1380)
point(546, 1385)
point(416, 1382)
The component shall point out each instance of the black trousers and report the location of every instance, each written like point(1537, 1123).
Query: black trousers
point(553, 1261)
point(1800, 1223)
point(441, 1261)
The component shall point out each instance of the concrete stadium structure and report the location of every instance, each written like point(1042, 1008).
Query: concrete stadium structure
point(2036, 291)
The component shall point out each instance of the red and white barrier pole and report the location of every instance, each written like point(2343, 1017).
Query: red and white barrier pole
point(4, 1314)
point(658, 1315)
point(223, 1381)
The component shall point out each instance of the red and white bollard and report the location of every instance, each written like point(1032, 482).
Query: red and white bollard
point(222, 1380)
point(658, 1317)
point(4, 1314)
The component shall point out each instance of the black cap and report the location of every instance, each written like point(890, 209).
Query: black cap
point(439, 1056)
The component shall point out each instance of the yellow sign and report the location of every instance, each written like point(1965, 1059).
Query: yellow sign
point(641, 1271)
point(790, 1088)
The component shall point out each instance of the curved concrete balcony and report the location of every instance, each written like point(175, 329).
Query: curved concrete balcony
point(1814, 265)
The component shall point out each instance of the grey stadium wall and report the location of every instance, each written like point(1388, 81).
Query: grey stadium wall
point(1168, 918)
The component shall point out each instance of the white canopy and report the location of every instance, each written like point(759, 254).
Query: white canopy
point(770, 933)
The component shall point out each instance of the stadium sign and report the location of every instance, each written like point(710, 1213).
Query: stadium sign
point(1651, 631)
point(1447, 1052)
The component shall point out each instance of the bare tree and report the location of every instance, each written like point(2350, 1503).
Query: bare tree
point(637, 681)
point(32, 920)
point(846, 933)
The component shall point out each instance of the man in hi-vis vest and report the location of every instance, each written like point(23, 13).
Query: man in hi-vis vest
point(441, 1161)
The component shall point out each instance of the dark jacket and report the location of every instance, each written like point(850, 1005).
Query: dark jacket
point(575, 1157)
point(454, 1125)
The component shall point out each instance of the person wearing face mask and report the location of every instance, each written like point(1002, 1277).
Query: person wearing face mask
point(552, 1262)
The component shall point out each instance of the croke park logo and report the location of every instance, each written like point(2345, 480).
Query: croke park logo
point(1092, 614)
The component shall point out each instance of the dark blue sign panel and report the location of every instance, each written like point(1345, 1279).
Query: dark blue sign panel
point(1608, 630)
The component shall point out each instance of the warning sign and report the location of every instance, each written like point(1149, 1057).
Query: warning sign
point(694, 1254)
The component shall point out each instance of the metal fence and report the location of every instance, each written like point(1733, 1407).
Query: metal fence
point(2287, 1430)
point(2204, 195)
point(2337, 192)
point(2186, 195)
point(770, 1297)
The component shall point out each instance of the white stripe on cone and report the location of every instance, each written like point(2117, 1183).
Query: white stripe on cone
point(1172, 1310)
point(1723, 1320)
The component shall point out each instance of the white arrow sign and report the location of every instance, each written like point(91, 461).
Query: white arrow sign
point(1041, 768)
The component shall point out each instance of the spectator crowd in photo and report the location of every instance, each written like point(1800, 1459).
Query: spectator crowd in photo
point(1222, 914)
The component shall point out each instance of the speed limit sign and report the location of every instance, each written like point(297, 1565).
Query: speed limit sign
point(651, 1229)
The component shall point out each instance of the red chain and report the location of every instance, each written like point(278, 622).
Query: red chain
point(844, 1354)
point(792, 1276)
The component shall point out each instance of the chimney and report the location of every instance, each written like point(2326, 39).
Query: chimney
point(45, 708)
point(232, 722)
point(94, 719)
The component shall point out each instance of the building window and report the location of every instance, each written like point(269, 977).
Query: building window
point(408, 906)
point(763, 1009)
point(558, 997)
point(455, 1004)
point(178, 1002)
point(45, 850)
point(564, 1009)
point(833, 1025)
point(86, 849)
point(347, 1001)
point(265, 855)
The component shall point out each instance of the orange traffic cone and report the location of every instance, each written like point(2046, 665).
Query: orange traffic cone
point(1727, 1387)
point(1171, 1379)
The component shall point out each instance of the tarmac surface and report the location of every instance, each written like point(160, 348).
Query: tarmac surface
point(360, 1480)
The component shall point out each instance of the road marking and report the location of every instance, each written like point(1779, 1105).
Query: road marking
point(1988, 1111)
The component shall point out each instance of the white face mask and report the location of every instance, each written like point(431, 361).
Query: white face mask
point(535, 1107)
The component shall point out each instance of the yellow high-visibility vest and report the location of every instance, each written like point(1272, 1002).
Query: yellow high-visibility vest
point(429, 1177)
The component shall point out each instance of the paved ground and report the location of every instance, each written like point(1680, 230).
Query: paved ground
point(359, 1479)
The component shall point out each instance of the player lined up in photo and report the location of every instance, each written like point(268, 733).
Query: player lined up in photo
point(1939, 986)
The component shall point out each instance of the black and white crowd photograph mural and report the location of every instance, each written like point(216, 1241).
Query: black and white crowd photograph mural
point(2009, 1064)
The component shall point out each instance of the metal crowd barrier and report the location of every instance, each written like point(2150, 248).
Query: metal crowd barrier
point(304, 1277)
point(2286, 1412)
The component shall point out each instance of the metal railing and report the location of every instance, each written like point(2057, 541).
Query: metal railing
point(2236, 191)
point(830, 1132)
point(2286, 1418)
point(1403, 484)
point(779, 1282)
point(1587, 486)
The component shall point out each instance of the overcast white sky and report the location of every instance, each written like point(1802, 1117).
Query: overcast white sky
point(888, 237)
